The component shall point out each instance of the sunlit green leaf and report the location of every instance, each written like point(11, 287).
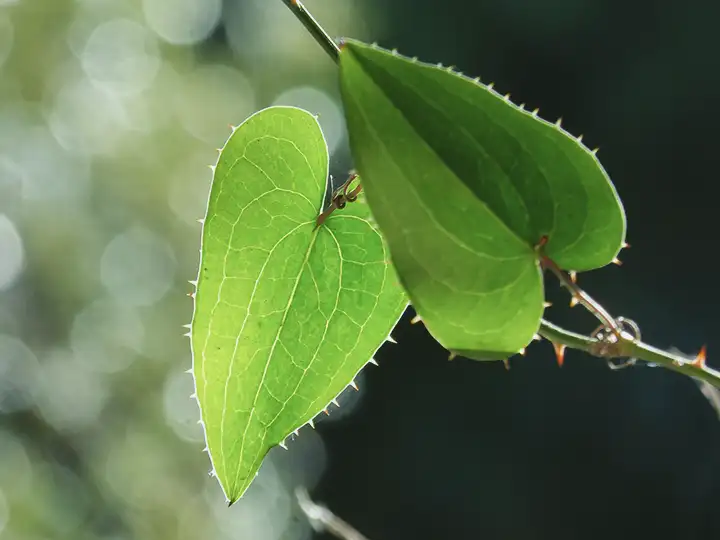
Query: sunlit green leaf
point(463, 185)
point(285, 314)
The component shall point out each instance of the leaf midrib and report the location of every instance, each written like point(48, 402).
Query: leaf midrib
point(270, 353)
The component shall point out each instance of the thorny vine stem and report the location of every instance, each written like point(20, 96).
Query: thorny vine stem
point(317, 31)
point(322, 519)
point(625, 345)
point(628, 348)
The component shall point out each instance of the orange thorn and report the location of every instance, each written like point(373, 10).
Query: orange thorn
point(507, 364)
point(191, 294)
point(326, 412)
point(573, 276)
point(559, 353)
point(574, 301)
point(617, 261)
point(699, 361)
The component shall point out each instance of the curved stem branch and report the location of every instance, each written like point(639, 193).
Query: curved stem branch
point(317, 31)
point(581, 296)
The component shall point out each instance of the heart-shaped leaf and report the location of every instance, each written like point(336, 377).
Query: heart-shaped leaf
point(285, 314)
point(463, 185)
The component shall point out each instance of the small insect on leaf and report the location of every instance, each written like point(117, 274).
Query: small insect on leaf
point(286, 313)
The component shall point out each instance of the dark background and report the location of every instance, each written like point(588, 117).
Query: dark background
point(465, 450)
point(434, 449)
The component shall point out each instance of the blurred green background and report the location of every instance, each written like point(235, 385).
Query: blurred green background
point(111, 112)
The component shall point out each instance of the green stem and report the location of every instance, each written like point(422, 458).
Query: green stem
point(317, 31)
point(625, 347)
point(629, 348)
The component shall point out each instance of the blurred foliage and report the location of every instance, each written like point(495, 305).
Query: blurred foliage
point(110, 113)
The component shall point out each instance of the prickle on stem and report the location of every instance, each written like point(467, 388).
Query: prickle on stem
point(699, 361)
point(559, 353)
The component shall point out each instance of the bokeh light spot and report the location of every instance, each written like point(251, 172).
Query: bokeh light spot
point(71, 397)
point(137, 267)
point(6, 37)
point(18, 375)
point(106, 337)
point(12, 253)
point(182, 412)
point(15, 467)
point(212, 97)
point(182, 22)
point(4, 511)
point(317, 102)
point(121, 56)
point(88, 119)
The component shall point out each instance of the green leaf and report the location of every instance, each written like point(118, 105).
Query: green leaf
point(285, 314)
point(463, 184)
